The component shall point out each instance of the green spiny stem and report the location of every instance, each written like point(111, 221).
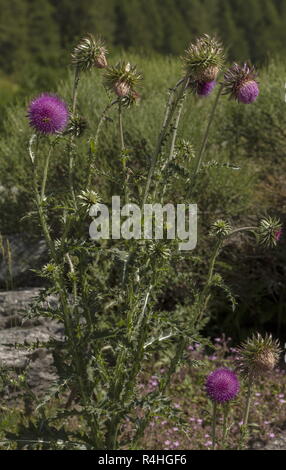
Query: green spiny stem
point(169, 113)
point(176, 126)
point(72, 271)
point(75, 89)
point(248, 401)
point(173, 141)
point(71, 139)
point(244, 427)
point(214, 418)
point(225, 419)
point(120, 122)
point(46, 169)
point(242, 229)
point(94, 142)
point(199, 158)
point(204, 296)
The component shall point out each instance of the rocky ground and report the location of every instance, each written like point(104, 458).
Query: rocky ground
point(15, 329)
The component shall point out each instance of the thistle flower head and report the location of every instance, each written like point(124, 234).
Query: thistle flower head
point(48, 114)
point(241, 83)
point(89, 52)
point(258, 355)
point(88, 199)
point(205, 88)
point(204, 59)
point(278, 234)
point(122, 79)
point(220, 229)
point(269, 232)
point(222, 385)
point(77, 126)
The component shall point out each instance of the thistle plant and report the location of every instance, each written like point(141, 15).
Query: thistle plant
point(258, 355)
point(108, 291)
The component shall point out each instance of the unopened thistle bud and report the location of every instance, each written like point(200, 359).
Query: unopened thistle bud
point(241, 83)
point(269, 232)
point(88, 199)
point(258, 355)
point(77, 126)
point(122, 79)
point(220, 229)
point(89, 52)
point(204, 59)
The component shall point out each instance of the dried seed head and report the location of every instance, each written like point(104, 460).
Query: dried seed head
point(241, 83)
point(204, 59)
point(269, 232)
point(89, 52)
point(122, 79)
point(258, 355)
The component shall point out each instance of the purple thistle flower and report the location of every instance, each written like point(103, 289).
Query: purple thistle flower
point(241, 83)
point(48, 114)
point(222, 385)
point(278, 235)
point(248, 92)
point(205, 88)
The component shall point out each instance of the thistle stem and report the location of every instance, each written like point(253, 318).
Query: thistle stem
point(46, 170)
point(120, 121)
point(206, 135)
point(248, 402)
point(71, 139)
point(204, 297)
point(214, 425)
point(169, 113)
point(94, 142)
point(225, 418)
